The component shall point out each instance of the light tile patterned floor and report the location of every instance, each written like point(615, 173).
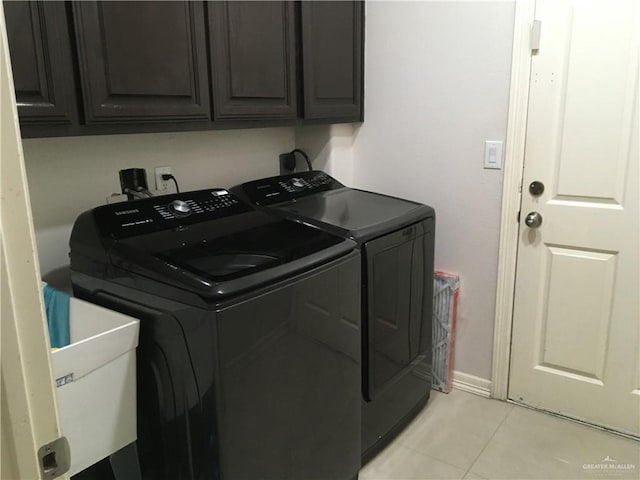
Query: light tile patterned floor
point(464, 436)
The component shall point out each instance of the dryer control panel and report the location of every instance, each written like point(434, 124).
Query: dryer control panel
point(138, 217)
point(269, 191)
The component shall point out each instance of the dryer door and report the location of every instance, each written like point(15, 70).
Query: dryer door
point(397, 308)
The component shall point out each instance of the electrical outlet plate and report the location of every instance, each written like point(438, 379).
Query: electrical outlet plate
point(160, 183)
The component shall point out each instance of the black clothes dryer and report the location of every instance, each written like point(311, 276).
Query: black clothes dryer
point(396, 238)
point(249, 353)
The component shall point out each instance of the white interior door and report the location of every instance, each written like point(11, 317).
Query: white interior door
point(576, 311)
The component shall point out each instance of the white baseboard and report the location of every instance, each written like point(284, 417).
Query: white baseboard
point(472, 384)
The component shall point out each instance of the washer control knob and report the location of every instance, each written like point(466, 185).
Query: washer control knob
point(180, 208)
point(296, 182)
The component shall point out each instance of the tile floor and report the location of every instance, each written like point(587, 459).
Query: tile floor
point(464, 436)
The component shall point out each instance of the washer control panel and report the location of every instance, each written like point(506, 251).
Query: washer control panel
point(138, 217)
point(268, 191)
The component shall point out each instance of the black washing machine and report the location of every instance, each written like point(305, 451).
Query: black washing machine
point(249, 357)
point(396, 238)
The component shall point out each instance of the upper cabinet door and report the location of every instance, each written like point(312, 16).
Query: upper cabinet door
point(253, 59)
point(41, 60)
point(332, 55)
point(142, 61)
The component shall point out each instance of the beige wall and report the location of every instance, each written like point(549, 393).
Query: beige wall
point(330, 148)
point(70, 175)
point(436, 87)
point(437, 83)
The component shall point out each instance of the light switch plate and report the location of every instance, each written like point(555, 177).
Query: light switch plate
point(493, 154)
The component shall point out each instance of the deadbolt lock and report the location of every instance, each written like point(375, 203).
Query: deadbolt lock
point(536, 188)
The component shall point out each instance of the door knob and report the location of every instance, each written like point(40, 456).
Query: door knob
point(533, 220)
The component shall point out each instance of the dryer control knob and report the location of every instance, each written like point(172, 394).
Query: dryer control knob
point(180, 207)
point(297, 182)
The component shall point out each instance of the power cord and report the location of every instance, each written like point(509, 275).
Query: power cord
point(138, 192)
point(168, 176)
point(145, 191)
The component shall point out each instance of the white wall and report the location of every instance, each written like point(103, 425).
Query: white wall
point(436, 87)
point(70, 175)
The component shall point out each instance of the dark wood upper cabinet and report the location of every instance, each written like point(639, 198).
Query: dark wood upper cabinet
point(41, 60)
point(142, 61)
point(253, 66)
point(332, 57)
point(95, 67)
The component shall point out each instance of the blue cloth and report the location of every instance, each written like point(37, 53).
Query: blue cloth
point(56, 304)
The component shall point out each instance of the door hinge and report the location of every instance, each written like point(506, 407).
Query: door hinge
point(535, 36)
point(518, 219)
point(54, 458)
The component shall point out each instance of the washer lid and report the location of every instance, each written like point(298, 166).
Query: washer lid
point(217, 267)
point(246, 251)
point(222, 247)
point(355, 213)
